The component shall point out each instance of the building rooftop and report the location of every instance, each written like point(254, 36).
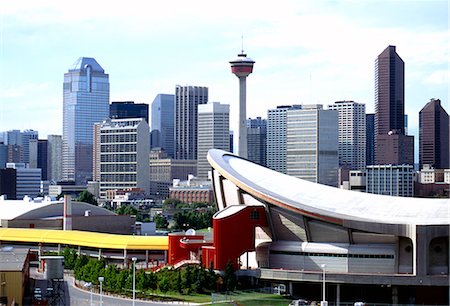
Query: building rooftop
point(82, 62)
point(12, 259)
point(32, 209)
point(327, 202)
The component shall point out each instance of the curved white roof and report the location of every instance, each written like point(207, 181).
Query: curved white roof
point(325, 201)
point(21, 209)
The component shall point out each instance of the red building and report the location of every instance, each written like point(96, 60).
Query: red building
point(229, 242)
point(191, 194)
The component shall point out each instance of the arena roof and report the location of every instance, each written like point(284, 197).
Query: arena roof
point(29, 209)
point(324, 201)
point(87, 239)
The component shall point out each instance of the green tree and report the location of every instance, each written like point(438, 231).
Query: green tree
point(110, 277)
point(179, 283)
point(87, 197)
point(126, 210)
point(164, 284)
point(229, 278)
point(70, 256)
point(121, 280)
point(80, 262)
point(142, 280)
point(161, 221)
point(211, 278)
point(170, 203)
point(153, 281)
point(188, 279)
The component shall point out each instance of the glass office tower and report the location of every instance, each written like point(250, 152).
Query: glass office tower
point(162, 123)
point(85, 102)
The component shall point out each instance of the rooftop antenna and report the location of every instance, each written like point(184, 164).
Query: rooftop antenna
point(242, 44)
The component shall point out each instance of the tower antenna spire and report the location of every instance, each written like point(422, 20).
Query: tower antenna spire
point(242, 44)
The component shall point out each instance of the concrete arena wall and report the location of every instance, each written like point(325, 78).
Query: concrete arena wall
point(103, 224)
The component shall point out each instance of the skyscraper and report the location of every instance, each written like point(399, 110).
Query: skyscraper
point(434, 135)
point(20, 141)
point(352, 133)
point(213, 133)
point(257, 140)
point(187, 99)
point(276, 137)
point(39, 156)
point(85, 102)
point(162, 124)
point(370, 139)
point(54, 155)
point(392, 146)
point(27, 136)
point(128, 109)
point(312, 144)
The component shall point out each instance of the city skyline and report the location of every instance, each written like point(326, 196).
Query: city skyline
point(306, 53)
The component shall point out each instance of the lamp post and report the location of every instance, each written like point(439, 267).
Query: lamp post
point(324, 300)
point(134, 278)
point(101, 279)
point(89, 286)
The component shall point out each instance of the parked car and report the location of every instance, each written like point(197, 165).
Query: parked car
point(299, 302)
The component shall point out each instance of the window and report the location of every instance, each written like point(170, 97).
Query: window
point(254, 215)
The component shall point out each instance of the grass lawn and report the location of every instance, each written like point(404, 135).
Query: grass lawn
point(239, 297)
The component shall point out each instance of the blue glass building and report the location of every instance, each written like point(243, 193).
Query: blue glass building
point(85, 102)
point(162, 123)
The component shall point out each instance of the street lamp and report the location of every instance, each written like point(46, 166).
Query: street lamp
point(89, 286)
point(134, 278)
point(324, 300)
point(101, 279)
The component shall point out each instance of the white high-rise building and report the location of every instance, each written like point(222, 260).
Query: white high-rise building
point(124, 155)
point(352, 133)
point(85, 102)
point(213, 133)
point(312, 144)
point(276, 137)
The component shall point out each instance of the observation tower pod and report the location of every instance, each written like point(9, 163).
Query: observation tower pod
point(241, 67)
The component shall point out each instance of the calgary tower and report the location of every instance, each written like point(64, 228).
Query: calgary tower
point(242, 66)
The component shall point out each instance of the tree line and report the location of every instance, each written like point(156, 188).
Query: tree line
point(187, 280)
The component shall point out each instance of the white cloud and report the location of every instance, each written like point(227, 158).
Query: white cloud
point(305, 51)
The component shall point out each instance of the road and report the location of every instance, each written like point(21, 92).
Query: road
point(74, 296)
point(82, 297)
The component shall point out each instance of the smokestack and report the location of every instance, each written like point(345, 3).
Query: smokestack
point(67, 217)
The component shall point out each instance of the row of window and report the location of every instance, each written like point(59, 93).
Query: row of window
point(118, 138)
point(380, 256)
point(131, 147)
point(117, 158)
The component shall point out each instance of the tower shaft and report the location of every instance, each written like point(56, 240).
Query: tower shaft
point(242, 150)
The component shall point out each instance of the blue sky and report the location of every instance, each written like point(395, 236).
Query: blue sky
point(305, 52)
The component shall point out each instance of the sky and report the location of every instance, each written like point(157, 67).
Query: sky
point(306, 52)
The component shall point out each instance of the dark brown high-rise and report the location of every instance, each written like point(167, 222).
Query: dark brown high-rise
point(434, 135)
point(392, 146)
